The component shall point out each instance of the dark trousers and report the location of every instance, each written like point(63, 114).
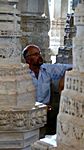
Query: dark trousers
point(50, 127)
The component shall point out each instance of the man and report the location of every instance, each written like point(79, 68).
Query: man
point(43, 76)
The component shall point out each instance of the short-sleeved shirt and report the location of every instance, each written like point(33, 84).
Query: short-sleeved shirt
point(47, 73)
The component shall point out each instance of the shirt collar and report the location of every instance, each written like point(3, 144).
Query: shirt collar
point(43, 67)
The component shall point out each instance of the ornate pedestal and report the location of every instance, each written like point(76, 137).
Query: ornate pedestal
point(19, 128)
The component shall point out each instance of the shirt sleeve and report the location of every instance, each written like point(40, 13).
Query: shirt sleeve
point(58, 70)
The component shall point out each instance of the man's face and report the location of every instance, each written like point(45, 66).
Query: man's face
point(34, 57)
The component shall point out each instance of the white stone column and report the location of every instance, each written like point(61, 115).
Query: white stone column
point(35, 24)
point(57, 24)
point(70, 122)
point(20, 118)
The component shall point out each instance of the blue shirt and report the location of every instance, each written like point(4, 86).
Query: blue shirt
point(47, 73)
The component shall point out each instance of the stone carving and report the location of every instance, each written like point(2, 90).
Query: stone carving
point(9, 31)
point(20, 119)
point(70, 124)
point(35, 25)
point(16, 87)
point(15, 118)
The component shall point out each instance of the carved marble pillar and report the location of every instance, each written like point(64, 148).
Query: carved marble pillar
point(70, 122)
point(57, 25)
point(20, 118)
point(35, 24)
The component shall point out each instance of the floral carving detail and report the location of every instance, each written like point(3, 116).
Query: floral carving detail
point(78, 133)
point(22, 119)
point(64, 128)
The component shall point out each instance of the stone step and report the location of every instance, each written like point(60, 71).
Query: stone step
point(10, 140)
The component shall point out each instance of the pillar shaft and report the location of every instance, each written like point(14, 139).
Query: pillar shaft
point(70, 124)
point(19, 123)
point(57, 24)
point(35, 24)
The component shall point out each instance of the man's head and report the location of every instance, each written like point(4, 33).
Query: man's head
point(32, 55)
